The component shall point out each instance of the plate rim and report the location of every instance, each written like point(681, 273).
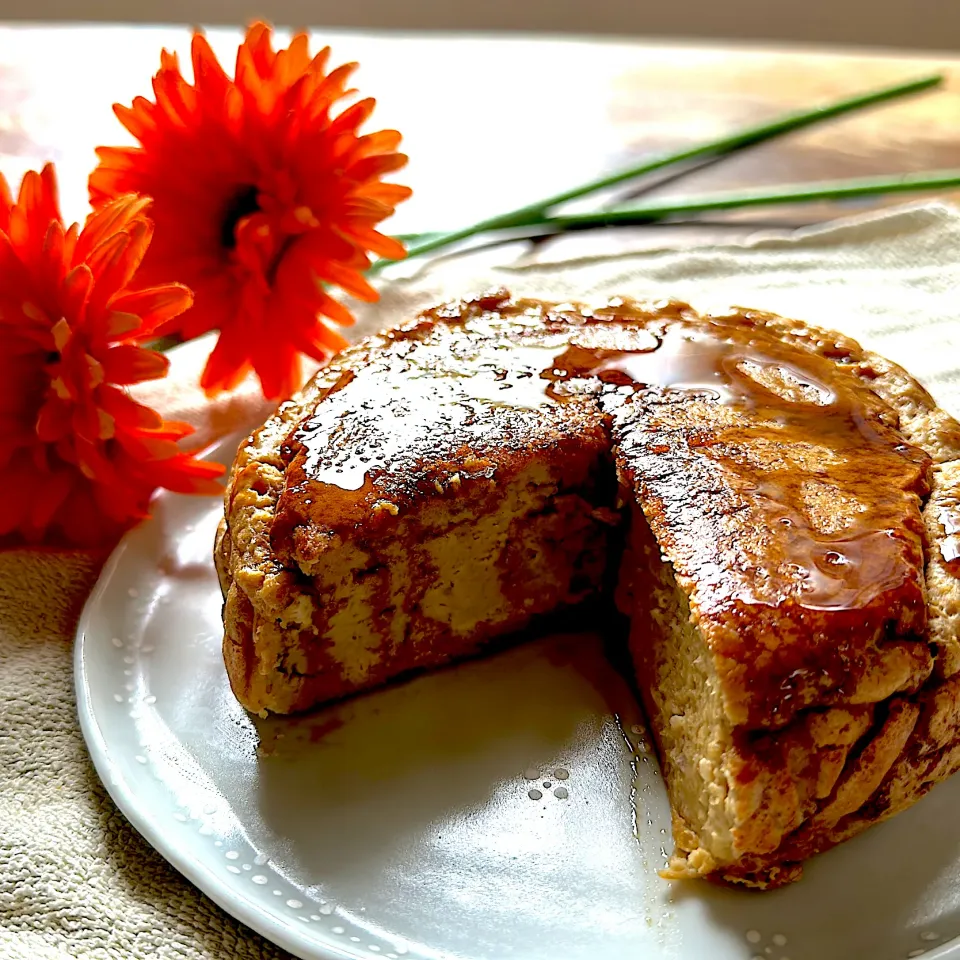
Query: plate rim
point(227, 898)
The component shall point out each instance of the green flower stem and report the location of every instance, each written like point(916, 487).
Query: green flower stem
point(534, 212)
point(738, 199)
point(411, 238)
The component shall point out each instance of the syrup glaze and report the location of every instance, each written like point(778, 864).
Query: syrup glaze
point(819, 490)
point(769, 471)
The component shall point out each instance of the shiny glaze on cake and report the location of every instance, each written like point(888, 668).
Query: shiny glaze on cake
point(774, 478)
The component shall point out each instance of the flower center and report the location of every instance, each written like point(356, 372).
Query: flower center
point(244, 203)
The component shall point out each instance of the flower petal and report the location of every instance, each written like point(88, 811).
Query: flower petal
point(228, 363)
point(154, 305)
point(372, 240)
point(126, 364)
point(129, 413)
point(107, 222)
point(278, 135)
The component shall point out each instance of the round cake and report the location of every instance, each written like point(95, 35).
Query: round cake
point(775, 510)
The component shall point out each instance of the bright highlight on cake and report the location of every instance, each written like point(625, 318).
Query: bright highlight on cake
point(80, 455)
point(263, 196)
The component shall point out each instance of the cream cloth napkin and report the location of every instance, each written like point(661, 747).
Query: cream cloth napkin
point(75, 879)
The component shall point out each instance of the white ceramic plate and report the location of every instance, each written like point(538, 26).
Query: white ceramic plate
point(506, 808)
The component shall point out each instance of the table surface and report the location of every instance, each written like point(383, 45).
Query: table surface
point(494, 122)
point(488, 124)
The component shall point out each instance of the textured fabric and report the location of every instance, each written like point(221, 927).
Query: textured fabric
point(75, 879)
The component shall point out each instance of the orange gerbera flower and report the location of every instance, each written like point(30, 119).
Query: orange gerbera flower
point(80, 458)
point(261, 198)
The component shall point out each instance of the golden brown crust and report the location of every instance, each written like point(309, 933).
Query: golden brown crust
point(836, 771)
point(818, 761)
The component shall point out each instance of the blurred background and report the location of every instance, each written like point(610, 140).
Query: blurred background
point(921, 24)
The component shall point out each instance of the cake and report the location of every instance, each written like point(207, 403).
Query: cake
point(775, 510)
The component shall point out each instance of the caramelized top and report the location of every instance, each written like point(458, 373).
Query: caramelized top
point(820, 494)
point(432, 400)
point(772, 475)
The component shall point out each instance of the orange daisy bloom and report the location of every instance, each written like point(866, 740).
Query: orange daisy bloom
point(79, 456)
point(261, 199)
